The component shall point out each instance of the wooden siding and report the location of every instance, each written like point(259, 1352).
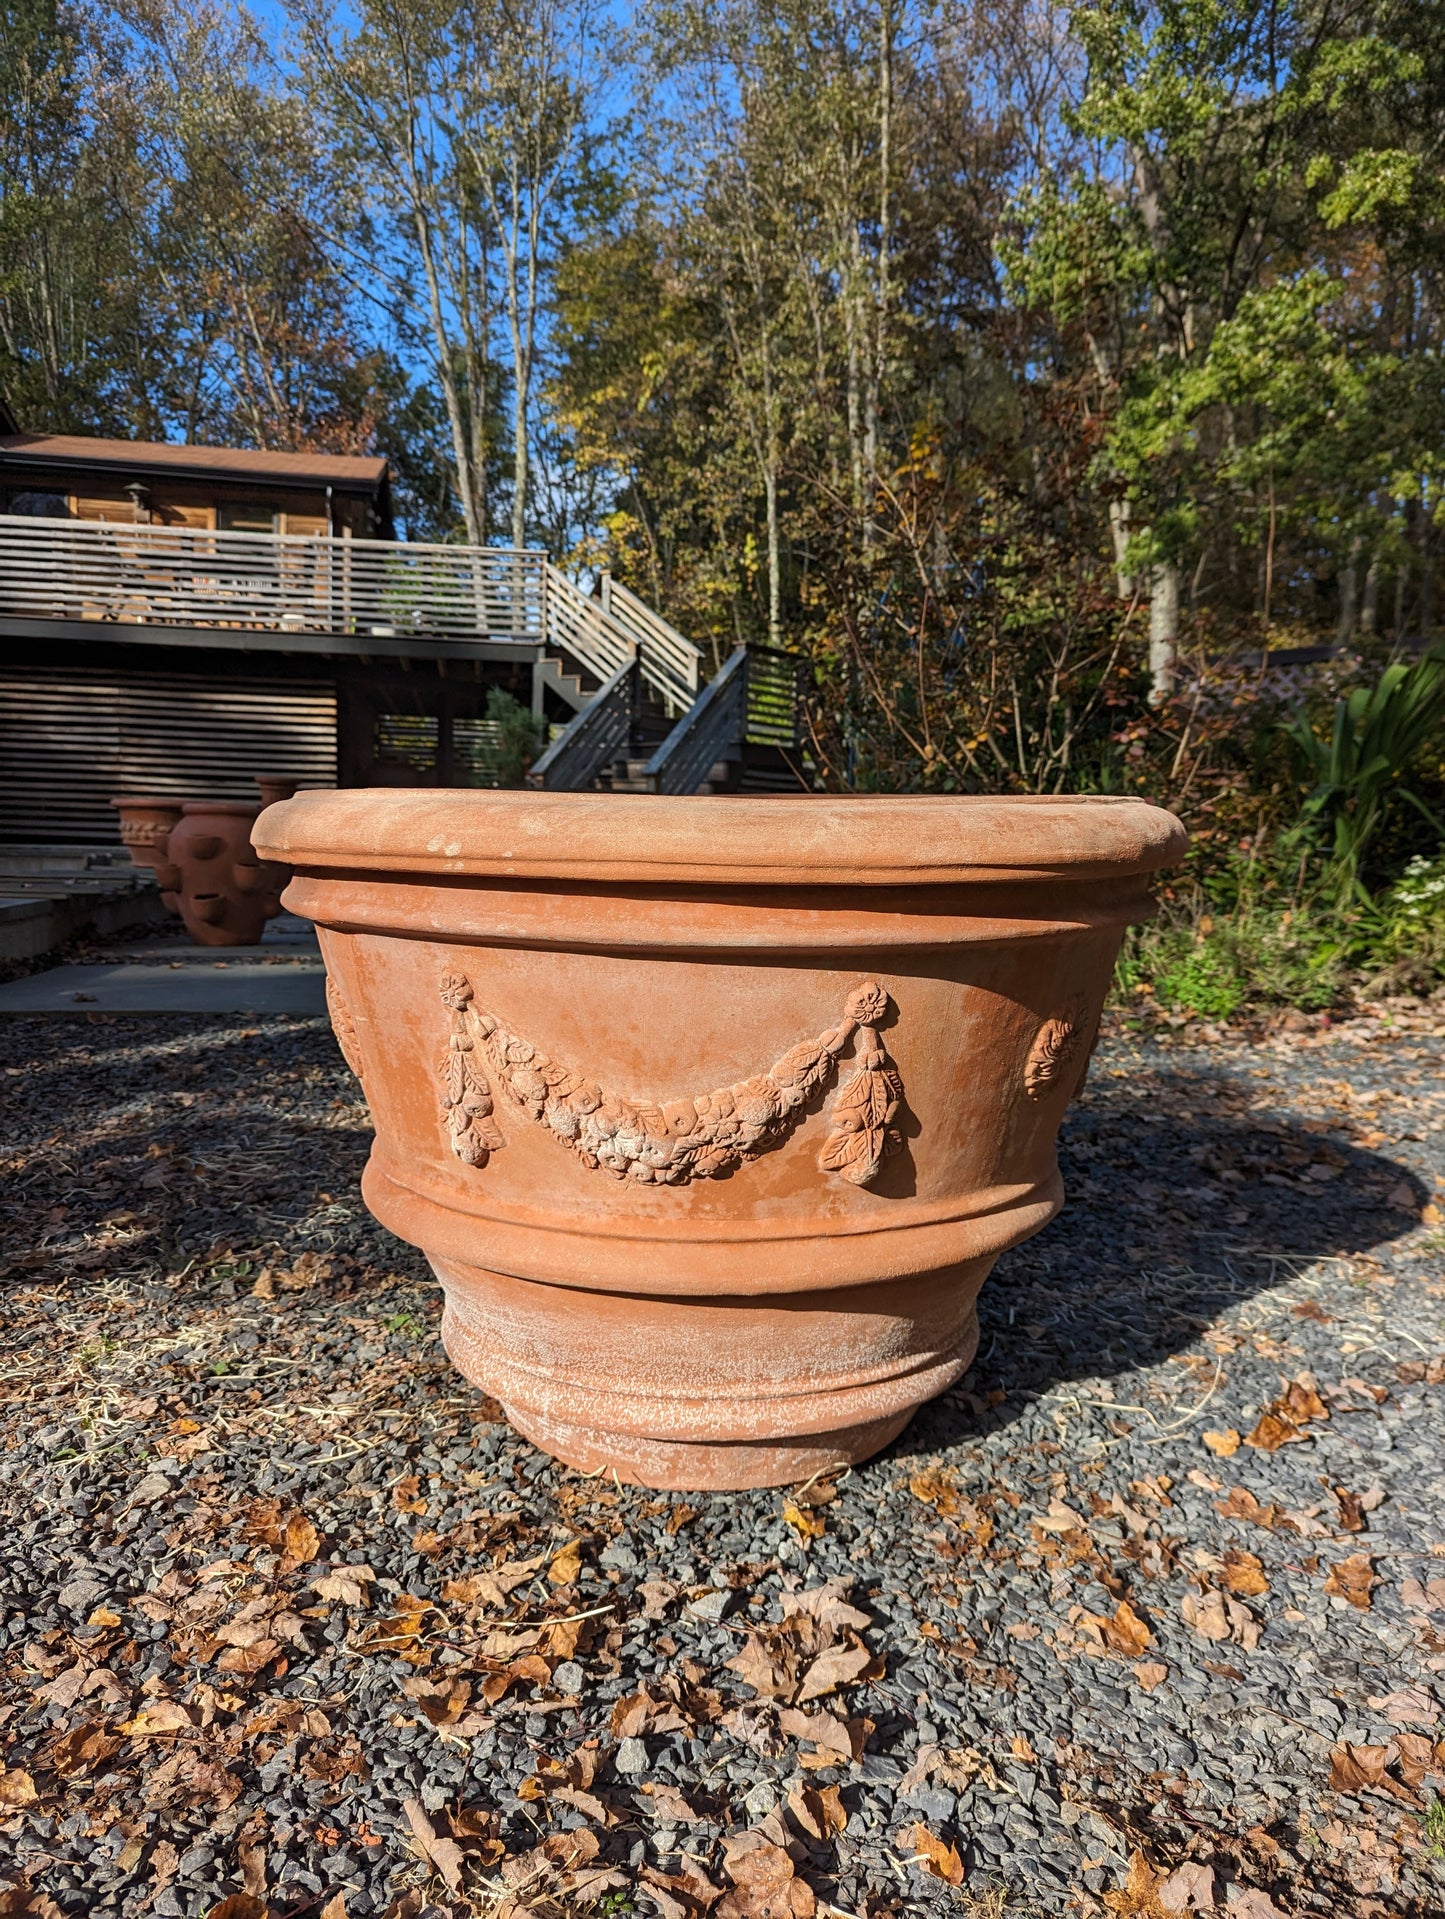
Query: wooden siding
point(72, 738)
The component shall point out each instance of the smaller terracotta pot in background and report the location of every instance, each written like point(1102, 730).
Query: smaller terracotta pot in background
point(220, 901)
point(145, 825)
point(274, 787)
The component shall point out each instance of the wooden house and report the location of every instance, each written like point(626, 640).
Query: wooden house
point(176, 619)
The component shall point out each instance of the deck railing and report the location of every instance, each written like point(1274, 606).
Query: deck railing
point(172, 576)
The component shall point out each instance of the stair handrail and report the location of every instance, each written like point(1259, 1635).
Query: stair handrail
point(712, 725)
point(658, 636)
point(599, 734)
point(601, 638)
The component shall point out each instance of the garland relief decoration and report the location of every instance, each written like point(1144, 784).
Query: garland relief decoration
point(1058, 1044)
point(668, 1145)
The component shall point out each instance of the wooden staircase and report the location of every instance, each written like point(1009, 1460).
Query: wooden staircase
point(742, 734)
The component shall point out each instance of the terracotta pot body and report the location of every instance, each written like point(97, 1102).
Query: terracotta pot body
point(145, 825)
point(226, 893)
point(274, 787)
point(712, 1115)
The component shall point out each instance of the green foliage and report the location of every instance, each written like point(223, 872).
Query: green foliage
point(1433, 1827)
point(1360, 767)
point(517, 738)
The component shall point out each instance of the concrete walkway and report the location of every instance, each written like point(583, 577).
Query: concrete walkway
point(284, 975)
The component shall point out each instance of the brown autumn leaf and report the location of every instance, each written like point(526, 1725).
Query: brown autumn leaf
point(238, 1905)
point(567, 1565)
point(442, 1853)
point(1353, 1579)
point(936, 1486)
point(1124, 1633)
point(838, 1741)
point(668, 1805)
point(17, 1788)
point(839, 1666)
point(302, 1542)
point(1417, 1756)
point(828, 1604)
point(406, 1496)
point(1137, 1898)
point(1189, 1888)
point(346, 1585)
point(1301, 1401)
point(1223, 1444)
point(1218, 1618)
point(1410, 1706)
point(1423, 1598)
point(1352, 1514)
point(1150, 1674)
point(1271, 1432)
point(1244, 1574)
point(764, 1882)
point(158, 1716)
point(936, 1857)
point(81, 1748)
point(806, 1524)
point(679, 1895)
point(1360, 1769)
point(818, 1810)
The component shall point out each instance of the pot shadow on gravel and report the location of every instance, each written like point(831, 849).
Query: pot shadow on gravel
point(1179, 1203)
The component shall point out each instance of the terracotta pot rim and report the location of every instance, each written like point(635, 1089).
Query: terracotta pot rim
point(170, 802)
point(819, 839)
point(231, 808)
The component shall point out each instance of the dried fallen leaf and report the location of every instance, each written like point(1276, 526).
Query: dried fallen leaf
point(444, 1854)
point(667, 1804)
point(1150, 1674)
point(158, 1716)
point(1243, 1573)
point(1360, 1769)
point(346, 1585)
point(818, 1810)
point(937, 1858)
point(1189, 1888)
point(765, 1885)
point(1423, 1598)
point(1353, 1579)
point(806, 1524)
point(1224, 1444)
point(1218, 1618)
point(567, 1565)
point(839, 1666)
point(238, 1905)
point(17, 1788)
point(1272, 1432)
point(1410, 1706)
point(1125, 1633)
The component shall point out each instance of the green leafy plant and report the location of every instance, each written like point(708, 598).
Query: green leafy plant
point(1361, 765)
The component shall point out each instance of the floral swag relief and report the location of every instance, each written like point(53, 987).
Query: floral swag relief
point(700, 1138)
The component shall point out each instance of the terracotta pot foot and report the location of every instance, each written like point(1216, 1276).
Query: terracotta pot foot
point(724, 1394)
point(672, 1465)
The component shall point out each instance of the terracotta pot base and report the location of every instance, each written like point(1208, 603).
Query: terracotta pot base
point(774, 1386)
point(673, 1465)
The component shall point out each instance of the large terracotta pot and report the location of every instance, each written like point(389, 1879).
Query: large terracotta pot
point(226, 893)
point(712, 1115)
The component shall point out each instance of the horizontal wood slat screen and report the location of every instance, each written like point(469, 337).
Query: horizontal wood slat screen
point(72, 739)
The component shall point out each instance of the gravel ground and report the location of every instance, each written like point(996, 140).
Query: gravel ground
point(1147, 1616)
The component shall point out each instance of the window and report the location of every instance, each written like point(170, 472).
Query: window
point(247, 519)
point(40, 506)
